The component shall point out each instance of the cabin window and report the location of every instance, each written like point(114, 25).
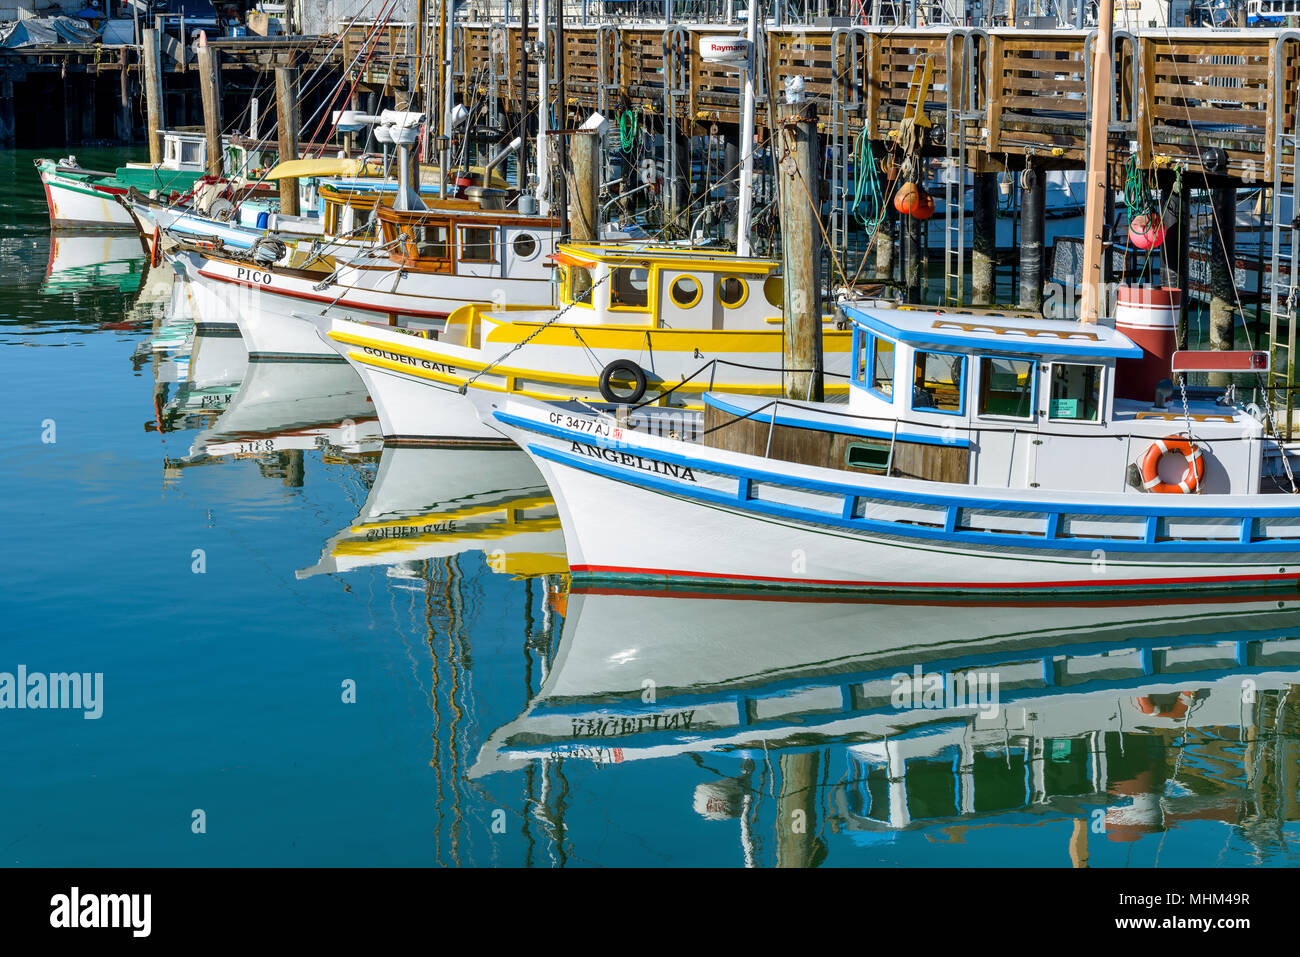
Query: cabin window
point(525, 245)
point(732, 291)
point(685, 291)
point(478, 244)
point(1075, 394)
point(938, 383)
point(190, 154)
point(429, 242)
point(882, 366)
point(1007, 387)
point(873, 456)
point(580, 285)
point(774, 291)
point(629, 287)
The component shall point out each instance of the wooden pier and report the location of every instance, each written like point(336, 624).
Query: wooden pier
point(1218, 103)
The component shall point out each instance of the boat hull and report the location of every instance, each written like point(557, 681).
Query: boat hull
point(76, 201)
point(638, 508)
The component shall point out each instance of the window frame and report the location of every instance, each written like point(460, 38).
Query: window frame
point(1101, 393)
point(460, 244)
point(870, 371)
point(650, 277)
point(962, 390)
point(699, 290)
point(1033, 389)
point(744, 291)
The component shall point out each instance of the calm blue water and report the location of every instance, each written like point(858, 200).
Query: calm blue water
point(230, 588)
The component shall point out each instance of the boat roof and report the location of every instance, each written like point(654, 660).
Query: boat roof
point(992, 333)
point(661, 254)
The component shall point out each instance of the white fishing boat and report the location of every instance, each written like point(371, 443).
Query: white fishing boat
point(429, 263)
point(978, 453)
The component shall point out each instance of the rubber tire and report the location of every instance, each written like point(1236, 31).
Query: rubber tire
point(628, 369)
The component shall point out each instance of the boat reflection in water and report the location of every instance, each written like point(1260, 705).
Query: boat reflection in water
point(869, 719)
point(285, 408)
point(431, 503)
point(82, 260)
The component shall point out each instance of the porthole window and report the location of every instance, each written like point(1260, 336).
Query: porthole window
point(774, 291)
point(685, 291)
point(525, 245)
point(732, 291)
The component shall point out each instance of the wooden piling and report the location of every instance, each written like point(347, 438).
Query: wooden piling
point(984, 244)
point(209, 65)
point(286, 113)
point(124, 127)
point(584, 187)
point(152, 81)
point(885, 245)
point(799, 151)
point(914, 235)
point(798, 843)
point(1223, 299)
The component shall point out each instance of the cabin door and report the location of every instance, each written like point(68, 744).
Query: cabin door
point(1073, 448)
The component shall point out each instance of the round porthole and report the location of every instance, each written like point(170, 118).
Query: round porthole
point(685, 291)
point(732, 291)
point(774, 291)
point(525, 245)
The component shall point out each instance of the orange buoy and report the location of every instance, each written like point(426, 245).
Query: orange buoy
point(924, 208)
point(1192, 475)
point(906, 198)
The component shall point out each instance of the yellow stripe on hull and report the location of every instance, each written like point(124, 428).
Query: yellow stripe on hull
point(586, 383)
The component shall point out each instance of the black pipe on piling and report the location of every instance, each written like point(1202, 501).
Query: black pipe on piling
point(1033, 201)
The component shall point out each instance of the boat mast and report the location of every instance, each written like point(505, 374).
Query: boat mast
point(522, 164)
point(448, 36)
point(747, 136)
point(1095, 199)
point(444, 113)
point(543, 105)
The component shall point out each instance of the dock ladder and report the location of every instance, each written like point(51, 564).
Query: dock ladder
point(1284, 268)
point(962, 110)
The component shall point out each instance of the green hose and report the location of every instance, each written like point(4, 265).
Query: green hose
point(627, 123)
point(868, 203)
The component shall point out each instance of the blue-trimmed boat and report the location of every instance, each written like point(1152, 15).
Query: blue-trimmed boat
point(976, 454)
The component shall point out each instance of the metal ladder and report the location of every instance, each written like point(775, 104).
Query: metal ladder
point(1285, 255)
point(961, 111)
point(1284, 273)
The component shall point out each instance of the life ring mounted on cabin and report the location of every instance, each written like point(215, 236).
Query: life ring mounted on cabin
point(1192, 475)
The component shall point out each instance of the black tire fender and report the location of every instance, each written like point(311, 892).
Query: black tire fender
point(623, 368)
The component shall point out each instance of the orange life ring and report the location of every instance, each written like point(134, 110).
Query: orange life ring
point(1192, 475)
point(1178, 710)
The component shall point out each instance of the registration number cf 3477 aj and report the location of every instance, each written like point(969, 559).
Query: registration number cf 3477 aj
point(586, 426)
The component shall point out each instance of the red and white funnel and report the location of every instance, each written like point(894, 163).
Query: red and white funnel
point(1149, 316)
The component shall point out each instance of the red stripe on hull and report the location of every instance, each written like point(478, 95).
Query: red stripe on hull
point(983, 586)
point(329, 299)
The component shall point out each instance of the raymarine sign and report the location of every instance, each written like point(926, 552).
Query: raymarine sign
point(724, 49)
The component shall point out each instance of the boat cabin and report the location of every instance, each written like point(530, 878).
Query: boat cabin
point(1000, 401)
point(670, 288)
point(463, 238)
